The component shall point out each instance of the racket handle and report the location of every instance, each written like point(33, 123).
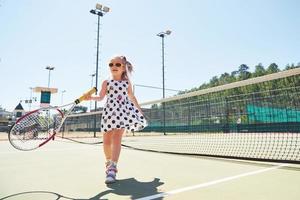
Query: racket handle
point(89, 93)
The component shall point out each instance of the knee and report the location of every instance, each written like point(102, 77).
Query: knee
point(117, 139)
point(107, 140)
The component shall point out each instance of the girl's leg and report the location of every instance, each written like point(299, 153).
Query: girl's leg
point(107, 145)
point(115, 141)
point(116, 144)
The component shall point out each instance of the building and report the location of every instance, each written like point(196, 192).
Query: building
point(5, 119)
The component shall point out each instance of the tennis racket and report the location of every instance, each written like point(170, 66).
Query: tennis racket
point(38, 127)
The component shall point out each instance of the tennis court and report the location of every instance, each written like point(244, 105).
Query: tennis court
point(67, 170)
point(235, 141)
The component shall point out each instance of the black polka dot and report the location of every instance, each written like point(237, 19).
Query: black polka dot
point(116, 91)
point(109, 117)
point(110, 109)
point(111, 101)
point(105, 130)
point(109, 126)
point(136, 111)
point(118, 126)
point(133, 116)
point(124, 93)
point(130, 121)
point(113, 121)
point(116, 84)
point(111, 95)
point(120, 88)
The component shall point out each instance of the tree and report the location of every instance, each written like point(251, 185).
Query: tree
point(243, 72)
point(259, 70)
point(214, 81)
point(273, 68)
point(225, 78)
point(292, 66)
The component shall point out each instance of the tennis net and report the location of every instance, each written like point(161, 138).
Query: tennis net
point(255, 119)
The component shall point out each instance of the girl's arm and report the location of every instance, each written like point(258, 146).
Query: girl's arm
point(102, 93)
point(132, 97)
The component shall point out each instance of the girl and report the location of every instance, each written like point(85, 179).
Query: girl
point(121, 111)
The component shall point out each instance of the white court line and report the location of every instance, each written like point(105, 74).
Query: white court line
point(202, 185)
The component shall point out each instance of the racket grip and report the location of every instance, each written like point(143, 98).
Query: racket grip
point(89, 93)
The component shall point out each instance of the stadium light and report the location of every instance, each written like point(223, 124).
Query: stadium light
point(99, 11)
point(62, 96)
point(50, 69)
point(163, 35)
point(92, 83)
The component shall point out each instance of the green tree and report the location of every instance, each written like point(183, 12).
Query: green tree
point(243, 72)
point(273, 68)
point(214, 81)
point(259, 70)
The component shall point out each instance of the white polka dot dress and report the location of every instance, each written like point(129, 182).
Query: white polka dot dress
point(119, 112)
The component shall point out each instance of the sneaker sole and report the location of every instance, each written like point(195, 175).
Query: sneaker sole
point(110, 182)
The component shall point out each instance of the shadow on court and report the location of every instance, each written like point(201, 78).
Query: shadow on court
point(125, 187)
point(131, 187)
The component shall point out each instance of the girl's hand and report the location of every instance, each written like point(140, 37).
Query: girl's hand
point(88, 98)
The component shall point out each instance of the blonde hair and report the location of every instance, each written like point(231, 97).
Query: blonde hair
point(128, 68)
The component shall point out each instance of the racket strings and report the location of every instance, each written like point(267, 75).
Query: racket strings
point(34, 129)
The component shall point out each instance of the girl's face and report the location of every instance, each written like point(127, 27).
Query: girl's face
point(116, 67)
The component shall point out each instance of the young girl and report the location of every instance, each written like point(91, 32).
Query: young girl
point(121, 111)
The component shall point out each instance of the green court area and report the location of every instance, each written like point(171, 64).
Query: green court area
point(63, 169)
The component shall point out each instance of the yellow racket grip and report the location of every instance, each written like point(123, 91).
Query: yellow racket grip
point(87, 94)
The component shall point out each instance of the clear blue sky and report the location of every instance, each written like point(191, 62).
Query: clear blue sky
point(209, 37)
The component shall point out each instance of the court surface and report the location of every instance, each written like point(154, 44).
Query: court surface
point(65, 170)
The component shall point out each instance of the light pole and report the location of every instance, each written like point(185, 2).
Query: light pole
point(62, 96)
point(50, 69)
point(92, 83)
point(163, 35)
point(99, 11)
point(30, 98)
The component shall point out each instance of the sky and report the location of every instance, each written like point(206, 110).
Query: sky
point(209, 37)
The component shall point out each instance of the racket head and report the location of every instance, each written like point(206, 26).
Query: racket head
point(35, 128)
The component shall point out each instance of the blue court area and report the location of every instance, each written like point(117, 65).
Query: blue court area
point(66, 170)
